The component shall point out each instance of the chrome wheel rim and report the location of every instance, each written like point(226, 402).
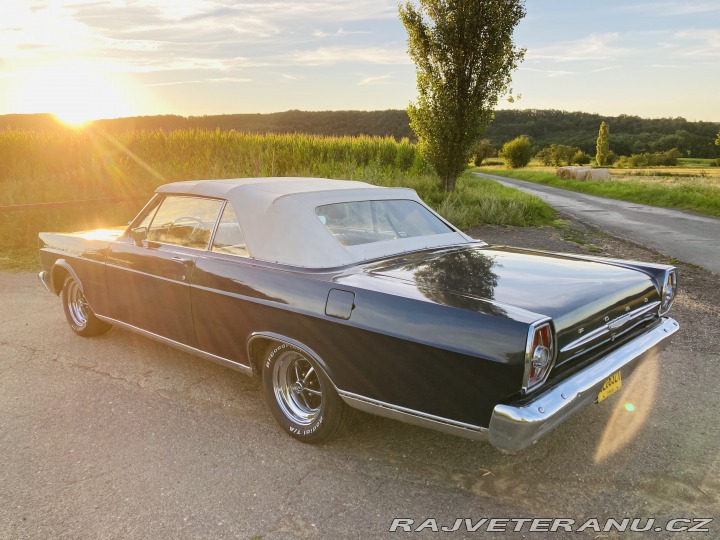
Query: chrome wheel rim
point(77, 305)
point(297, 388)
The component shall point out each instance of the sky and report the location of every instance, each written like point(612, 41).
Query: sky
point(84, 59)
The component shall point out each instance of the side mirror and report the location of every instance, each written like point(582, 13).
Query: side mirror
point(139, 234)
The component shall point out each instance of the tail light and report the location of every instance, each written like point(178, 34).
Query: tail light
point(668, 291)
point(539, 355)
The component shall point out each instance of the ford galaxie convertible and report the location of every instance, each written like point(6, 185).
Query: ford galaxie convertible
point(341, 295)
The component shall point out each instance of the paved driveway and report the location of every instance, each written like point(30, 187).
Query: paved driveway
point(689, 237)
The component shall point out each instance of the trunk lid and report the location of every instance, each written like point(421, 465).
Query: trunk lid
point(590, 302)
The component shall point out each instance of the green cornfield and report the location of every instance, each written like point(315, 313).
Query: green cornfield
point(50, 166)
point(71, 165)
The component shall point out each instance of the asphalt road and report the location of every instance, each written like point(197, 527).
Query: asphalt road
point(686, 236)
point(121, 437)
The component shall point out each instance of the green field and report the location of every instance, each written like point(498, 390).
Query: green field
point(694, 163)
point(694, 191)
point(51, 166)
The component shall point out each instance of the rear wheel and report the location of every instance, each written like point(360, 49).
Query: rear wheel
point(78, 312)
point(301, 397)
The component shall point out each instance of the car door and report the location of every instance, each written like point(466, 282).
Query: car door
point(224, 289)
point(149, 280)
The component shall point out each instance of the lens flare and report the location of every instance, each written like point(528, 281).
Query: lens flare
point(637, 396)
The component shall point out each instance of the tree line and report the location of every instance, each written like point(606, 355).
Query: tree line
point(630, 134)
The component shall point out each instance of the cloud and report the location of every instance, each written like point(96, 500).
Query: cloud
point(672, 9)
point(638, 48)
point(201, 81)
point(561, 73)
point(333, 55)
point(339, 33)
point(704, 43)
point(142, 36)
point(380, 79)
point(594, 47)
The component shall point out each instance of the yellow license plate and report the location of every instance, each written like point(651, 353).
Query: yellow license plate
point(612, 385)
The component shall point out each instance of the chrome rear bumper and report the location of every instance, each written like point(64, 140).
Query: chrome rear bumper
point(513, 428)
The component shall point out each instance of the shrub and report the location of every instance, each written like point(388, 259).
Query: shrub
point(518, 152)
point(581, 158)
point(657, 159)
point(668, 158)
point(559, 155)
point(483, 149)
point(544, 156)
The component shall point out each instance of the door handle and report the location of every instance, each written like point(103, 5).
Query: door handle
point(184, 261)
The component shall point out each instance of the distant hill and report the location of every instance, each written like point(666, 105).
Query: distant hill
point(628, 134)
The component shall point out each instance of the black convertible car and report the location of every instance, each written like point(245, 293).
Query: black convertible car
point(345, 295)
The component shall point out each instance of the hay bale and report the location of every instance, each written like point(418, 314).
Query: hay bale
point(599, 175)
point(582, 173)
point(572, 173)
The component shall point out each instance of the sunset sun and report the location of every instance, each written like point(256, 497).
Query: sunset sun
point(75, 94)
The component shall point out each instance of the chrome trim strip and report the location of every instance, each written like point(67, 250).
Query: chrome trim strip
point(72, 256)
point(151, 205)
point(263, 302)
point(215, 227)
point(62, 263)
point(514, 427)
point(411, 416)
point(293, 343)
point(44, 279)
point(186, 284)
point(65, 257)
point(185, 348)
point(611, 326)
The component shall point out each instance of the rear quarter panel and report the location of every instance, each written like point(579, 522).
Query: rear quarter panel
point(398, 346)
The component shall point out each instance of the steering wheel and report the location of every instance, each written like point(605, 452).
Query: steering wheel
point(196, 228)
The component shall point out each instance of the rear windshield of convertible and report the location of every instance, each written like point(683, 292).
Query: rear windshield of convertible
point(364, 222)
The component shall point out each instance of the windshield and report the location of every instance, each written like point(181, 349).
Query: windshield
point(364, 222)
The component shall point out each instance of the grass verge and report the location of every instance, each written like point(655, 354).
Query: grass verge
point(478, 200)
point(690, 194)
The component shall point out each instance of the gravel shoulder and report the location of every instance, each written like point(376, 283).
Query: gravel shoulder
point(121, 437)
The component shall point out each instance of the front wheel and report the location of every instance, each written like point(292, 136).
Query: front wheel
point(78, 313)
point(301, 397)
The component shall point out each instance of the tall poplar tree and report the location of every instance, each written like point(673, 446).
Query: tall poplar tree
point(464, 55)
point(603, 145)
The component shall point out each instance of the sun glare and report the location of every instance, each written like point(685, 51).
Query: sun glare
point(75, 94)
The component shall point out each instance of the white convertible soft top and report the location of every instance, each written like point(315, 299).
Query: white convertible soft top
point(277, 217)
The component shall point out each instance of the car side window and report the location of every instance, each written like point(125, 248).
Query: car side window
point(229, 238)
point(185, 221)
